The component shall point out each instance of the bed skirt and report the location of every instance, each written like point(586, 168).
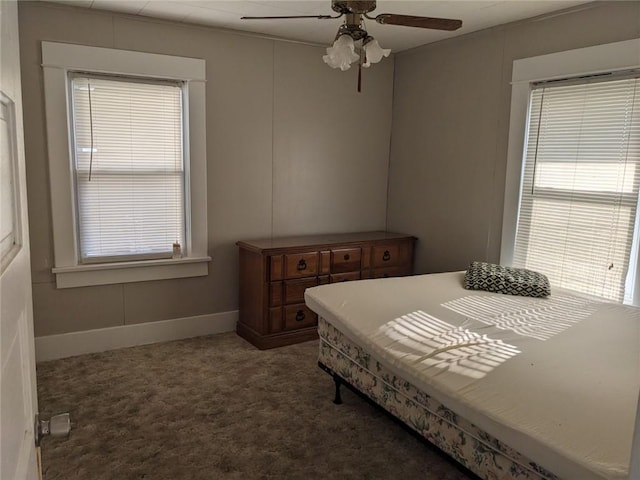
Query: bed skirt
point(473, 448)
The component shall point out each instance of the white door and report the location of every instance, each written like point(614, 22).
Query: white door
point(18, 402)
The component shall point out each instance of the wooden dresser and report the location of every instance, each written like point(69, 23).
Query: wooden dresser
point(274, 274)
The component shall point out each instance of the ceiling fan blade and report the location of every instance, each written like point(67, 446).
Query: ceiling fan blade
point(321, 17)
point(420, 22)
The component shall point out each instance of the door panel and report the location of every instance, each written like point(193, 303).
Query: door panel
point(15, 410)
point(18, 454)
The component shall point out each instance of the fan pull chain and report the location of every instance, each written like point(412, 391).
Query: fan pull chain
point(360, 70)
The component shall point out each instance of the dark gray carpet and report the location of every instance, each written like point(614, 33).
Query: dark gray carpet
point(217, 408)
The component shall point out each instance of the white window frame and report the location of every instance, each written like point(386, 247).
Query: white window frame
point(611, 57)
point(58, 59)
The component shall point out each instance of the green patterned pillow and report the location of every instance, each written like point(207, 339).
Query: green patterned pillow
point(512, 281)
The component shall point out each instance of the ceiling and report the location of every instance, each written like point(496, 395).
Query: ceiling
point(475, 15)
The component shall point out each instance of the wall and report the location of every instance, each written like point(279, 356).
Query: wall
point(280, 160)
point(451, 124)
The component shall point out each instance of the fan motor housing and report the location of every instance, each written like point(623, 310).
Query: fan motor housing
point(353, 30)
point(347, 6)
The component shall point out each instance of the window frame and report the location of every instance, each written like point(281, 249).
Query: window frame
point(71, 76)
point(611, 57)
point(59, 60)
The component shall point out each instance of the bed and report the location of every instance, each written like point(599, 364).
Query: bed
point(511, 387)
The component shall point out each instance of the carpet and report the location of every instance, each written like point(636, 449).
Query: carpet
point(217, 408)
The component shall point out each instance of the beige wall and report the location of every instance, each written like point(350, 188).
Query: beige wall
point(450, 128)
point(280, 159)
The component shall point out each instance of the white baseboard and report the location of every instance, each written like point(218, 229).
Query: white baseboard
point(64, 345)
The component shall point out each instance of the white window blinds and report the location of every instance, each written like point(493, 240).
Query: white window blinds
point(580, 185)
point(129, 167)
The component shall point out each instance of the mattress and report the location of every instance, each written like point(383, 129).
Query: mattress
point(555, 378)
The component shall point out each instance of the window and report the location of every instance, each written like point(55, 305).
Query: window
point(129, 167)
point(580, 185)
point(126, 140)
point(572, 186)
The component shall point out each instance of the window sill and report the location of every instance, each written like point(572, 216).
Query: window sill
point(126, 272)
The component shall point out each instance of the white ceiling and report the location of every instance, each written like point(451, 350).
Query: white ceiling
point(475, 15)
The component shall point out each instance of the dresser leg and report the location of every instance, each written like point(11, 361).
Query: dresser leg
point(338, 381)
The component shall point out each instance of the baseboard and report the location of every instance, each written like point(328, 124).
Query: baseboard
point(64, 345)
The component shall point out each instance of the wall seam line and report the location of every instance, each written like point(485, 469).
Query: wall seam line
point(124, 309)
point(393, 93)
point(273, 115)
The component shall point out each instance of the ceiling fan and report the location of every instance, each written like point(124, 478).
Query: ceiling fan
point(344, 51)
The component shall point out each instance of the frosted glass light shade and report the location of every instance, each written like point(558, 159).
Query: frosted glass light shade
point(374, 52)
point(342, 54)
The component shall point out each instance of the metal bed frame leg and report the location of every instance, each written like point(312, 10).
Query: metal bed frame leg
point(338, 381)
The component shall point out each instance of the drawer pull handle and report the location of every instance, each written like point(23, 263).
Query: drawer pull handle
point(302, 264)
point(386, 256)
point(300, 316)
point(346, 257)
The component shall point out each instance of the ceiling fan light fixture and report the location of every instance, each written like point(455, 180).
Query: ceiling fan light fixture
point(342, 54)
point(373, 51)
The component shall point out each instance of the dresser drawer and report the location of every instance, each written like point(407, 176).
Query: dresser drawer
point(298, 265)
point(298, 316)
point(345, 260)
point(344, 277)
point(390, 272)
point(294, 289)
point(385, 256)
